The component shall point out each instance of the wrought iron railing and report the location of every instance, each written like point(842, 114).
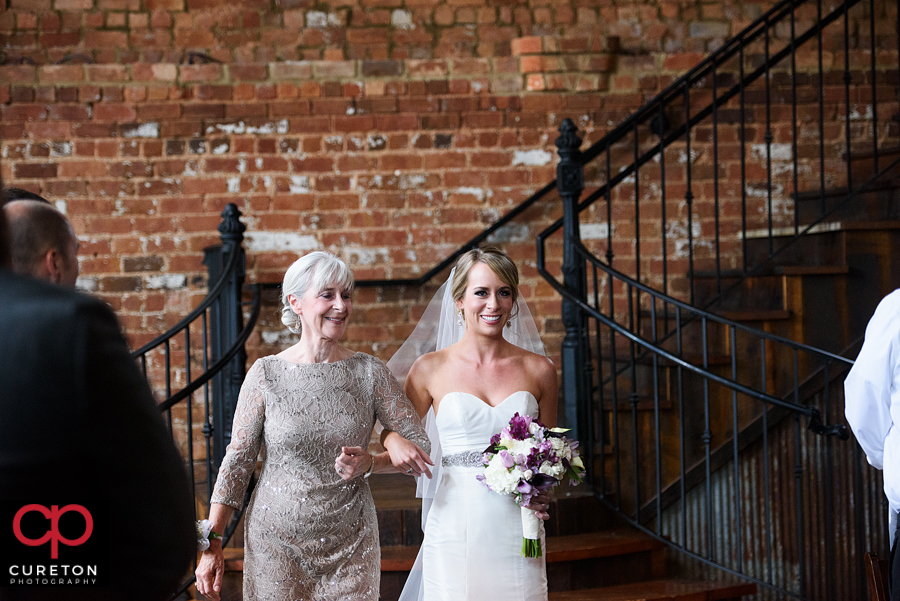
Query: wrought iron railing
point(723, 440)
point(197, 366)
point(777, 502)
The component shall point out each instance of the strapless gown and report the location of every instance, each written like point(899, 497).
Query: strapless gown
point(472, 548)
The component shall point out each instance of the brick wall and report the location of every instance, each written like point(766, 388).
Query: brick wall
point(388, 131)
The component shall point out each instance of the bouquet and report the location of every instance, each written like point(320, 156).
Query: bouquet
point(527, 458)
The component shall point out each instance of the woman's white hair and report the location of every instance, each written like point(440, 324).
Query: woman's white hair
point(317, 270)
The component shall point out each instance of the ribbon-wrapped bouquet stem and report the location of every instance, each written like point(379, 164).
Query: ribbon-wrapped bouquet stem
point(527, 458)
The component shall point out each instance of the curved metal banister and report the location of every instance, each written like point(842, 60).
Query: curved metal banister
point(731, 384)
point(220, 364)
point(209, 299)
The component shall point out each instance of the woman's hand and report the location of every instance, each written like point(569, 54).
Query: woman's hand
point(407, 457)
point(540, 504)
point(352, 462)
point(210, 570)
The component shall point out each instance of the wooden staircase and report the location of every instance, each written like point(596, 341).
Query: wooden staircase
point(590, 554)
point(820, 290)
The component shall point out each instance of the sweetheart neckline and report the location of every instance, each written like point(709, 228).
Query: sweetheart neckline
point(483, 402)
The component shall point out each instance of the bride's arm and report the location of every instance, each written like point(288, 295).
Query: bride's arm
point(547, 407)
point(403, 454)
point(547, 404)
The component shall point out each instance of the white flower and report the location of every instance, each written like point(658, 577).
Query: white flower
point(499, 478)
point(561, 448)
point(528, 474)
point(556, 471)
point(204, 528)
point(522, 447)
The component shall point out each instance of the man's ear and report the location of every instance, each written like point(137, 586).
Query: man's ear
point(54, 264)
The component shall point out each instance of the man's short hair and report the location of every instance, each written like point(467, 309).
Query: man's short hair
point(34, 228)
point(11, 194)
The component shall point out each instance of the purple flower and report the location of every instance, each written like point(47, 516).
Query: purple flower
point(543, 481)
point(507, 460)
point(533, 461)
point(518, 427)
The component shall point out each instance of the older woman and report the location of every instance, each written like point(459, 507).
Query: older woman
point(311, 531)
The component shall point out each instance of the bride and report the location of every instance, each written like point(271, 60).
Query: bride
point(469, 387)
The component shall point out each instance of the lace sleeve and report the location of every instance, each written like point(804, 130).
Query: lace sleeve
point(246, 439)
point(394, 410)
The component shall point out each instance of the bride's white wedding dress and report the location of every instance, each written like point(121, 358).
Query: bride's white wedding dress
point(473, 537)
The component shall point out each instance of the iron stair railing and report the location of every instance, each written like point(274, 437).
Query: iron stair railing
point(695, 421)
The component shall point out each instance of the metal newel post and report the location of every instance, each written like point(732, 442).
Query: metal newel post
point(575, 374)
point(227, 321)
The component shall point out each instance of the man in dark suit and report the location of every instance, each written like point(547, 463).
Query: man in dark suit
point(78, 426)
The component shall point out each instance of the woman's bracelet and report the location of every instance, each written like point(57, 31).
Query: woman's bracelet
point(371, 467)
point(205, 533)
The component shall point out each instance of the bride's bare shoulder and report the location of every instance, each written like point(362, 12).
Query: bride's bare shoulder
point(429, 362)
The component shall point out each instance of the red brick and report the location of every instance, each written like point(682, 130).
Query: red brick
point(24, 112)
point(290, 70)
point(105, 39)
point(191, 73)
point(526, 45)
point(248, 72)
point(114, 112)
point(53, 130)
point(353, 123)
point(34, 170)
point(334, 69)
point(682, 61)
point(10, 74)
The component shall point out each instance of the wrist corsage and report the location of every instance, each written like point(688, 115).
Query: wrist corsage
point(205, 533)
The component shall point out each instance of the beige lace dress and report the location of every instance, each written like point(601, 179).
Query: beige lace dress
point(308, 533)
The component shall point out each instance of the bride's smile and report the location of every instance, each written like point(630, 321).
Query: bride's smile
point(487, 302)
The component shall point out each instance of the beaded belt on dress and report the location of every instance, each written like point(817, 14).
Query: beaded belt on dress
point(463, 459)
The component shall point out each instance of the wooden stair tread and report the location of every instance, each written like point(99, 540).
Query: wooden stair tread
point(645, 402)
point(598, 544)
point(398, 559)
point(761, 315)
point(869, 154)
point(813, 195)
point(660, 590)
point(234, 559)
point(559, 548)
point(814, 269)
point(394, 492)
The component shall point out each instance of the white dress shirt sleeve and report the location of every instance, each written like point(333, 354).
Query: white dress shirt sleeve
point(868, 387)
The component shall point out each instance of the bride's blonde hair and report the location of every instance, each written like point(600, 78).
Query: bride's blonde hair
point(502, 266)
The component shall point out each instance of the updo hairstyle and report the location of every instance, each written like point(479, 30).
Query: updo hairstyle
point(502, 266)
point(316, 270)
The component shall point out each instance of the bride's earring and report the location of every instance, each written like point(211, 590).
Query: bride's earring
point(509, 322)
point(459, 318)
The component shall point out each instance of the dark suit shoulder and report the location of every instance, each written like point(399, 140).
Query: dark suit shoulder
point(37, 302)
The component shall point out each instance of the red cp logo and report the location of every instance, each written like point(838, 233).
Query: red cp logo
point(53, 534)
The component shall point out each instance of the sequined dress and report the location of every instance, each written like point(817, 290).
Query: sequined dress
point(308, 533)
